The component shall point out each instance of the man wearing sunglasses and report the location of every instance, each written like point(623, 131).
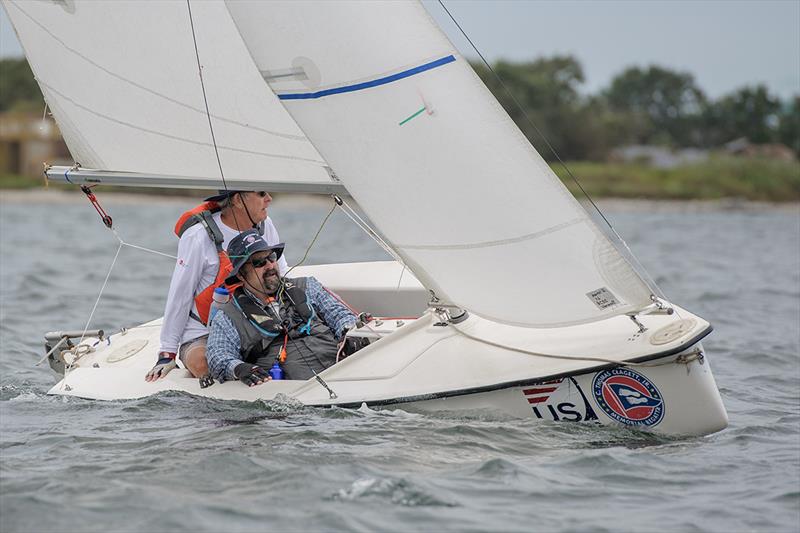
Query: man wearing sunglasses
point(271, 319)
point(205, 232)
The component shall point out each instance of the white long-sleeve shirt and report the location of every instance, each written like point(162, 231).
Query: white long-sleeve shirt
point(196, 269)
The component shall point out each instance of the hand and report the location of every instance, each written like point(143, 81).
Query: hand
point(251, 375)
point(162, 368)
point(206, 381)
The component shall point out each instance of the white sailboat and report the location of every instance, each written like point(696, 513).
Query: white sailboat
point(520, 302)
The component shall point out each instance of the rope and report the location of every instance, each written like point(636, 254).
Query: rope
point(686, 360)
point(648, 280)
point(91, 315)
point(208, 116)
point(314, 240)
point(129, 245)
point(527, 118)
point(361, 223)
point(354, 216)
point(205, 99)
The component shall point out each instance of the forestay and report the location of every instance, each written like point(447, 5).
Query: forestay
point(121, 79)
point(436, 163)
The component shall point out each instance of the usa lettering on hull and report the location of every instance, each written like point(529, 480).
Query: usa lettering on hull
point(559, 400)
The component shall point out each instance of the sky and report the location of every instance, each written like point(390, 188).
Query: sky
point(724, 44)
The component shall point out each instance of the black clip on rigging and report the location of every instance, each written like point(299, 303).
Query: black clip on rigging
point(100, 211)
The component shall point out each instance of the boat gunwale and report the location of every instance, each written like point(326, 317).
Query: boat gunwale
point(523, 382)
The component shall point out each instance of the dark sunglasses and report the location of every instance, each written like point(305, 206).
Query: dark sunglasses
point(261, 194)
point(259, 262)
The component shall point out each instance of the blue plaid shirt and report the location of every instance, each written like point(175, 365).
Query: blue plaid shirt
point(223, 351)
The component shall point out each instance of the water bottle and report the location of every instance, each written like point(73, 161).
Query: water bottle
point(220, 297)
point(276, 372)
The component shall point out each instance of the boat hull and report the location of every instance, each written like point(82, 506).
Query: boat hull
point(673, 399)
point(610, 372)
point(673, 394)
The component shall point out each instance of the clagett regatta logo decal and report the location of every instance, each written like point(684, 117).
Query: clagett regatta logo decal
point(628, 397)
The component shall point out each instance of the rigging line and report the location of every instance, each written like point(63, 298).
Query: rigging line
point(358, 221)
point(91, 315)
point(148, 250)
point(683, 360)
point(308, 248)
point(400, 279)
point(205, 99)
point(528, 118)
point(208, 113)
point(123, 243)
point(631, 260)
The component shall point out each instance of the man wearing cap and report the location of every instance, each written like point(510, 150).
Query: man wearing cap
point(270, 319)
point(201, 266)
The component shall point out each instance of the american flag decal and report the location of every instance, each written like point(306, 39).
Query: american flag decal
point(541, 392)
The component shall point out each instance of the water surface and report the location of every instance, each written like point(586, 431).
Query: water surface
point(174, 462)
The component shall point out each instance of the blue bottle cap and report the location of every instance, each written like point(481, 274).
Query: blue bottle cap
point(221, 290)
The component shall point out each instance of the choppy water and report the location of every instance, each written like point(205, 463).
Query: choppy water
point(178, 463)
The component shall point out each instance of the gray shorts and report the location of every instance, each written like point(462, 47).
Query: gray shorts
point(188, 345)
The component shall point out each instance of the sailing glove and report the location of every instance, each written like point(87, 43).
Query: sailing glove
point(162, 368)
point(251, 375)
point(206, 381)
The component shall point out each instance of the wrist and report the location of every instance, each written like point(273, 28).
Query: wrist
point(167, 355)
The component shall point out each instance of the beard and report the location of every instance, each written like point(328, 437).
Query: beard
point(271, 281)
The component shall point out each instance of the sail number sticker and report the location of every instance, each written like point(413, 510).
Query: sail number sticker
point(628, 397)
point(602, 298)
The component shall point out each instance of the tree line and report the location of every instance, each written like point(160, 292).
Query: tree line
point(642, 105)
point(651, 105)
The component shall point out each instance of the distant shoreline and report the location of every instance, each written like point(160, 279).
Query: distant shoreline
point(61, 196)
point(721, 180)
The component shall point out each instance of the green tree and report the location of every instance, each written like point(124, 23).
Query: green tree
point(663, 106)
point(748, 112)
point(547, 93)
point(18, 88)
point(789, 125)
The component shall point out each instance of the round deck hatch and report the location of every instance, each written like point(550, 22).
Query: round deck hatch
point(127, 350)
point(673, 331)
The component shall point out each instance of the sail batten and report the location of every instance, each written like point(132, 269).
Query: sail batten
point(436, 164)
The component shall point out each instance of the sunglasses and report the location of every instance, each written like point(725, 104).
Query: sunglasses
point(259, 262)
point(261, 194)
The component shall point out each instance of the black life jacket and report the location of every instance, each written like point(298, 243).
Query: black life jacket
point(288, 331)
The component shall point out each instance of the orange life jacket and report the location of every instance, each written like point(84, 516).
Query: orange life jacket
point(203, 214)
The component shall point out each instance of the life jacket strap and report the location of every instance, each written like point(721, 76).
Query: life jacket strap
point(214, 233)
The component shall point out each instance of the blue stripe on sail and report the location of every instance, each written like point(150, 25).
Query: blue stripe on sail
point(368, 84)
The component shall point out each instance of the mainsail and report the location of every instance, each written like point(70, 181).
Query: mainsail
point(436, 163)
point(121, 79)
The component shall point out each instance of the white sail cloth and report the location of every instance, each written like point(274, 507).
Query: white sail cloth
point(436, 163)
point(121, 79)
